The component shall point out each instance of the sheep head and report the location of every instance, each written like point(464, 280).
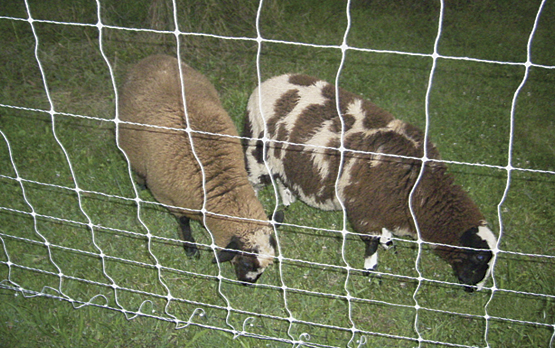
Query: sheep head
point(472, 267)
point(249, 261)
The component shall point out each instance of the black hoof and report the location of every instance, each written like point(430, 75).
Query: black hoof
point(191, 251)
point(279, 217)
point(469, 289)
point(372, 276)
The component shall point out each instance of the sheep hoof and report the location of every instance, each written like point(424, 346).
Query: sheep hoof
point(469, 289)
point(369, 272)
point(376, 279)
point(140, 180)
point(373, 277)
point(388, 245)
point(191, 251)
point(279, 216)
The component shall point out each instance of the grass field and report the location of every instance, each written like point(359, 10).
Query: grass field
point(60, 293)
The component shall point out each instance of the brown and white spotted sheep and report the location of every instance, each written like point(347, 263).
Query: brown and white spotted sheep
point(374, 188)
point(164, 161)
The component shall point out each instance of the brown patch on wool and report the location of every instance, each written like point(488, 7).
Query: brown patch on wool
point(310, 121)
point(282, 133)
point(375, 116)
point(302, 80)
point(348, 123)
point(286, 103)
point(345, 97)
point(282, 107)
point(298, 163)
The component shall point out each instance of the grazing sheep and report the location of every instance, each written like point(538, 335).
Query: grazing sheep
point(373, 187)
point(163, 160)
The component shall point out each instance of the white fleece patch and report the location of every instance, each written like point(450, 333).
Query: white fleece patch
point(286, 195)
point(486, 234)
point(254, 275)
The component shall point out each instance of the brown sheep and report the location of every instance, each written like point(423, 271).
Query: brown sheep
point(164, 162)
point(374, 188)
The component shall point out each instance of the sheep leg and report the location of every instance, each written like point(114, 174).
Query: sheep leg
point(141, 181)
point(371, 252)
point(187, 236)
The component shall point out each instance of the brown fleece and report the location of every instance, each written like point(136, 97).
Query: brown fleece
point(164, 160)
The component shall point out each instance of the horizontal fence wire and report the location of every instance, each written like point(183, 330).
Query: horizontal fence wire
point(112, 292)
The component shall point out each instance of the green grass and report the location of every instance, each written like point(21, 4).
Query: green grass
point(470, 109)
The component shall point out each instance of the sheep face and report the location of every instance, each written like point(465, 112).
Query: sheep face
point(251, 262)
point(248, 268)
point(473, 266)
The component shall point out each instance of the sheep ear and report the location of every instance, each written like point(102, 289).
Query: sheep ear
point(227, 255)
